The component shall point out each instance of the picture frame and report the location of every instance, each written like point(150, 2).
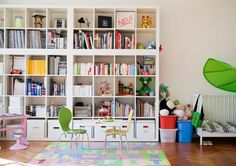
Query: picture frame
point(60, 23)
point(125, 20)
point(104, 22)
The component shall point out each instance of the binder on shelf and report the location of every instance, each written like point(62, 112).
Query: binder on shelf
point(37, 67)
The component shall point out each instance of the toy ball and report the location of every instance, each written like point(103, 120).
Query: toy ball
point(164, 112)
point(140, 46)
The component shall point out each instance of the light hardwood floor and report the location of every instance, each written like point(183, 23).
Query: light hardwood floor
point(223, 153)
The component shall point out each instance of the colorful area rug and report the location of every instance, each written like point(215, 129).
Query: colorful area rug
point(145, 154)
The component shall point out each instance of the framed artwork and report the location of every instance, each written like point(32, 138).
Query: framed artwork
point(104, 22)
point(125, 20)
point(60, 23)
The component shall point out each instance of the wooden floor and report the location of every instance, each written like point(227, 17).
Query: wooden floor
point(223, 153)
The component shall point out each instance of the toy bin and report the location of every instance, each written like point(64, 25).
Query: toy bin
point(168, 135)
point(185, 130)
point(168, 122)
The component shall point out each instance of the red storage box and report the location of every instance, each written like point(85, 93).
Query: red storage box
point(168, 122)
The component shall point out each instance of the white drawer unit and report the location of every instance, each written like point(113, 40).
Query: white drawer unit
point(78, 124)
point(130, 134)
point(54, 130)
point(35, 129)
point(145, 130)
point(99, 133)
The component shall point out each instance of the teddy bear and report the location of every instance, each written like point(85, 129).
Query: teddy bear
point(184, 112)
point(146, 22)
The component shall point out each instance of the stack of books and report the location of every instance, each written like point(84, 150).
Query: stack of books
point(56, 40)
point(145, 109)
point(125, 41)
point(16, 39)
point(57, 66)
point(36, 39)
point(37, 67)
point(83, 90)
point(53, 110)
point(119, 109)
point(36, 110)
point(57, 89)
point(1, 38)
point(103, 69)
point(83, 68)
point(104, 40)
point(35, 88)
point(83, 40)
point(125, 69)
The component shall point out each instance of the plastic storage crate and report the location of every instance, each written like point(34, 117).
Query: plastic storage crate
point(185, 131)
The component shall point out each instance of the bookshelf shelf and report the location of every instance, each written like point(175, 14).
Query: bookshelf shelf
point(84, 58)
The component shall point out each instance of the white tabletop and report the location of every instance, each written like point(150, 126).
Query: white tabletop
point(116, 123)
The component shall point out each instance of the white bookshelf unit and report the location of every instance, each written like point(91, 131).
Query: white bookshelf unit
point(83, 58)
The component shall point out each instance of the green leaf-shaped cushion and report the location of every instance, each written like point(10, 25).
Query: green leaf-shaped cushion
point(220, 75)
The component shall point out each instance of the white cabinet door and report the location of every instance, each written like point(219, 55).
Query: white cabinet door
point(145, 130)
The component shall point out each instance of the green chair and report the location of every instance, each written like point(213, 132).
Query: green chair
point(65, 117)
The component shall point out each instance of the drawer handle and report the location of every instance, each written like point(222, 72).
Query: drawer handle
point(55, 127)
point(103, 126)
point(124, 126)
point(145, 126)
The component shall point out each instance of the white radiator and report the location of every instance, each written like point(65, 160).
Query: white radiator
point(221, 108)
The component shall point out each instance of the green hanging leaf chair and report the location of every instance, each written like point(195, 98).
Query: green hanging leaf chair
point(220, 75)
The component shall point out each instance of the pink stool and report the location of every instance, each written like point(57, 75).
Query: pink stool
point(21, 142)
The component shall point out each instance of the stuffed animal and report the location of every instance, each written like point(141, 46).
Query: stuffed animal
point(187, 110)
point(146, 22)
point(167, 104)
point(164, 92)
point(145, 89)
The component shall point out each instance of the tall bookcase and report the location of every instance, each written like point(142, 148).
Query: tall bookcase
point(89, 58)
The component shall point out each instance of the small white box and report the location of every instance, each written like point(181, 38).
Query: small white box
point(168, 135)
point(16, 101)
point(35, 129)
point(125, 20)
point(145, 130)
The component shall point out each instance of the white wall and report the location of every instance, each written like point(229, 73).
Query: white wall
point(191, 32)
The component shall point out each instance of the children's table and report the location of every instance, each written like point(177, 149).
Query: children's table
point(22, 142)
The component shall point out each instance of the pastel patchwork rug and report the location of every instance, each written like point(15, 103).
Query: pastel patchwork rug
point(145, 154)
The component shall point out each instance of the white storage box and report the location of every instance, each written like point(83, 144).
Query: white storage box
point(16, 110)
point(130, 135)
point(168, 135)
point(145, 130)
point(81, 124)
point(99, 133)
point(35, 129)
point(54, 130)
point(9, 134)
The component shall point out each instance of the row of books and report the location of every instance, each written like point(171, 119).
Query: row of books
point(104, 40)
point(35, 88)
point(83, 90)
point(125, 40)
point(83, 40)
point(145, 109)
point(119, 109)
point(1, 39)
point(56, 40)
point(57, 65)
point(16, 39)
point(103, 69)
point(36, 39)
point(57, 89)
point(125, 69)
point(53, 110)
point(36, 110)
point(83, 68)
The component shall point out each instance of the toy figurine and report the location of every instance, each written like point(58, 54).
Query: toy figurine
point(87, 22)
point(81, 21)
point(38, 20)
point(146, 22)
point(145, 90)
